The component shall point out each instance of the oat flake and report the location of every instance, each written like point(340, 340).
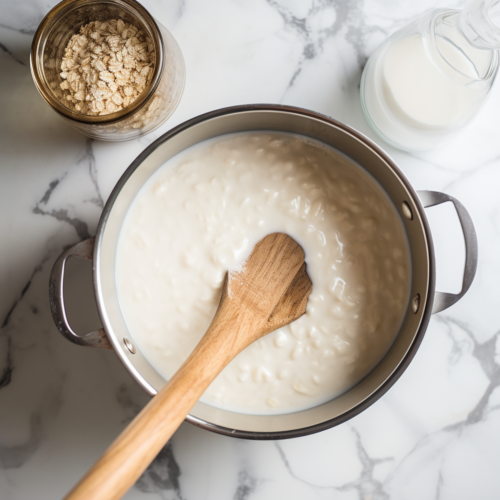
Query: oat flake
point(106, 67)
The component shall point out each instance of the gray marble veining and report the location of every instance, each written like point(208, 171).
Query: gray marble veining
point(435, 435)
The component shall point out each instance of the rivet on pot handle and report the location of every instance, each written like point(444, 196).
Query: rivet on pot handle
point(444, 300)
point(84, 250)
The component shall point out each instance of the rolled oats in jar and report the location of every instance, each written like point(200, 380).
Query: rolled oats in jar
point(109, 69)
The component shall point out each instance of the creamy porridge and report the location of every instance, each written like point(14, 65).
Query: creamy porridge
point(202, 213)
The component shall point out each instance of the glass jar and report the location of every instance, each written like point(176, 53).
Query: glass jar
point(151, 108)
point(430, 78)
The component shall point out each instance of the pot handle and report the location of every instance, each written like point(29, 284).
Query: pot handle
point(443, 300)
point(84, 250)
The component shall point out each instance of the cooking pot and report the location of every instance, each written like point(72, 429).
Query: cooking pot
point(423, 301)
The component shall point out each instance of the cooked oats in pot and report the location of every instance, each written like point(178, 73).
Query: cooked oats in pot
point(202, 213)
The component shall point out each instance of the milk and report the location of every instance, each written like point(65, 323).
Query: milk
point(418, 91)
point(425, 83)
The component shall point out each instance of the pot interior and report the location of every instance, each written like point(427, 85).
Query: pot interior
point(361, 151)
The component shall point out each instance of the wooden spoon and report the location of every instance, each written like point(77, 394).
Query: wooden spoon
point(269, 291)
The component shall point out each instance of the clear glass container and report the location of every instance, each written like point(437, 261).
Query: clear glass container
point(154, 105)
point(430, 78)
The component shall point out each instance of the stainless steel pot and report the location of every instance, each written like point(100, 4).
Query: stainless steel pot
point(423, 299)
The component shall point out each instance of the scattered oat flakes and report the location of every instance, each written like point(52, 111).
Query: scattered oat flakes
point(106, 67)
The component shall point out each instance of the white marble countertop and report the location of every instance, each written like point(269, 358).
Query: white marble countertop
point(434, 435)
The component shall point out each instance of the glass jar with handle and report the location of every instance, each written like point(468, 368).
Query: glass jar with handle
point(430, 78)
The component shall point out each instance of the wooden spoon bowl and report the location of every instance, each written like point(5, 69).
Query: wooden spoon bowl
point(269, 291)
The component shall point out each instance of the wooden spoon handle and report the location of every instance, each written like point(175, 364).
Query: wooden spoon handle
point(136, 447)
point(270, 291)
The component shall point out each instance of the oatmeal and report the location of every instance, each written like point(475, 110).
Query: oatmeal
point(202, 213)
point(106, 67)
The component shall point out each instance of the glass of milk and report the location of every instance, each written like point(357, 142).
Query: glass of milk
point(430, 78)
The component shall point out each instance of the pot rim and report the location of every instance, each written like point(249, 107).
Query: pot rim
point(418, 337)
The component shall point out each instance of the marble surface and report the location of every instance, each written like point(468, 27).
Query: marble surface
point(435, 435)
